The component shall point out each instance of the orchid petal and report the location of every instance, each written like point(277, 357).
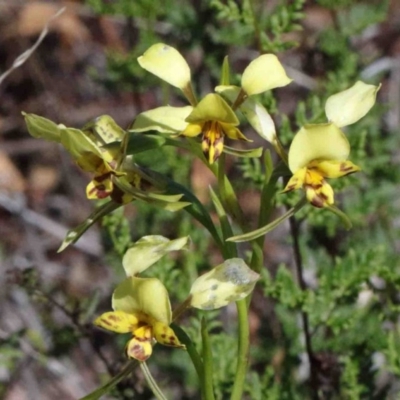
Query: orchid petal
point(213, 108)
point(165, 335)
point(167, 63)
point(162, 119)
point(264, 73)
point(140, 347)
point(334, 169)
point(148, 250)
point(349, 106)
point(117, 321)
point(317, 142)
point(231, 281)
point(259, 119)
point(145, 295)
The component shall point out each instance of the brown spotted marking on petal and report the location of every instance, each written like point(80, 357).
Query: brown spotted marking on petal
point(104, 321)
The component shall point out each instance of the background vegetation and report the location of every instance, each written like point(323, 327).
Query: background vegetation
point(86, 67)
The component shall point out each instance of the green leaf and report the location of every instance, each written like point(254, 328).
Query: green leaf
point(169, 202)
point(74, 234)
point(194, 207)
point(267, 228)
point(247, 153)
point(42, 128)
point(138, 143)
point(225, 72)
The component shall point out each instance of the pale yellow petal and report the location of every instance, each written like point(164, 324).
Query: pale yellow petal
point(145, 295)
point(148, 250)
point(264, 73)
point(162, 119)
point(259, 119)
point(349, 106)
point(317, 142)
point(213, 108)
point(167, 63)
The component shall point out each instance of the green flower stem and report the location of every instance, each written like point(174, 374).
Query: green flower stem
point(208, 387)
point(239, 99)
point(228, 196)
point(181, 308)
point(243, 350)
point(191, 349)
point(151, 382)
point(103, 390)
point(189, 94)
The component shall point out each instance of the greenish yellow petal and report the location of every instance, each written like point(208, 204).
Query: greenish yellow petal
point(322, 142)
point(264, 73)
point(167, 63)
point(228, 92)
point(296, 181)
point(43, 128)
point(105, 129)
point(349, 106)
point(162, 119)
point(100, 187)
point(148, 250)
point(192, 130)
point(259, 119)
point(334, 169)
point(213, 108)
point(140, 347)
point(117, 321)
point(231, 281)
point(144, 295)
point(318, 192)
point(165, 335)
point(82, 149)
point(233, 133)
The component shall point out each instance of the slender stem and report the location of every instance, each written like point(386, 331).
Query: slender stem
point(243, 350)
point(208, 387)
point(151, 382)
point(189, 94)
point(294, 230)
point(239, 99)
point(181, 308)
point(191, 349)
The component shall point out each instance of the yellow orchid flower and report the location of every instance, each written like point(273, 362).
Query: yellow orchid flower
point(212, 116)
point(321, 151)
point(142, 308)
point(96, 148)
point(214, 119)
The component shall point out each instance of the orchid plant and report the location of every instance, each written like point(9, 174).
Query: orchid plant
point(141, 305)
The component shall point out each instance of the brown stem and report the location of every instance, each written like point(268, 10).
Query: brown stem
point(294, 230)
